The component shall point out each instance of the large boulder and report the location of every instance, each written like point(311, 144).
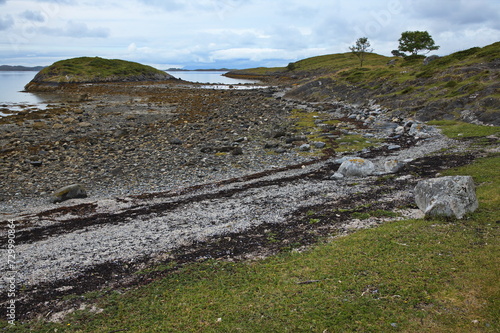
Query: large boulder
point(355, 167)
point(73, 191)
point(452, 196)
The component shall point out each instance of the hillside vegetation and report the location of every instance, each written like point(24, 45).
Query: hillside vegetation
point(463, 85)
point(94, 69)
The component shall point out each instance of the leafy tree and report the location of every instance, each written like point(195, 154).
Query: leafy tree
point(416, 41)
point(397, 53)
point(361, 47)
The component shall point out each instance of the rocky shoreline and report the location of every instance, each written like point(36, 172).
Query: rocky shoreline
point(120, 139)
point(176, 169)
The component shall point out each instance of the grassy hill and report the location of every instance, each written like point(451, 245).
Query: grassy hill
point(464, 85)
point(94, 69)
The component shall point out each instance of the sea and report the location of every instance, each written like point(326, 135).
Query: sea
point(12, 96)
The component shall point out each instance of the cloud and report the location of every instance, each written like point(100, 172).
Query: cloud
point(6, 22)
point(76, 30)
point(2, 2)
point(168, 5)
point(67, 2)
point(32, 15)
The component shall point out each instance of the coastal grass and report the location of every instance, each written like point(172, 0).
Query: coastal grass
point(424, 275)
point(461, 74)
point(84, 69)
point(458, 129)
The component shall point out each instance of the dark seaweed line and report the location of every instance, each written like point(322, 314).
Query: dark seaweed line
point(40, 233)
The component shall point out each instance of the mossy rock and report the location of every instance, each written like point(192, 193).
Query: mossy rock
point(93, 70)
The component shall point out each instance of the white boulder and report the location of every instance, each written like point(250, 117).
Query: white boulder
point(355, 167)
point(452, 196)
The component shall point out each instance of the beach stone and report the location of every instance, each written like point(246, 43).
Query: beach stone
point(452, 196)
point(305, 147)
point(237, 151)
point(422, 131)
point(356, 167)
point(176, 141)
point(73, 191)
point(392, 166)
point(319, 144)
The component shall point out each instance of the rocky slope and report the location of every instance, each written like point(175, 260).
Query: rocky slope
point(464, 85)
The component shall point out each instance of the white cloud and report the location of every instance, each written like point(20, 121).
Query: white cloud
point(76, 29)
point(6, 22)
point(32, 15)
point(233, 33)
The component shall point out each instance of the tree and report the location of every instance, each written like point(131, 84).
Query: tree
point(416, 41)
point(361, 47)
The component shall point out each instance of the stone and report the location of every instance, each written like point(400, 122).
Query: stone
point(73, 191)
point(296, 139)
point(422, 131)
point(237, 151)
point(393, 166)
point(305, 147)
point(393, 147)
point(356, 167)
point(452, 196)
point(319, 144)
point(176, 141)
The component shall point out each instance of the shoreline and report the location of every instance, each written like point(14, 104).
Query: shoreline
point(117, 144)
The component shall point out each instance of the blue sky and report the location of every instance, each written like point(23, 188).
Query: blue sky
point(231, 33)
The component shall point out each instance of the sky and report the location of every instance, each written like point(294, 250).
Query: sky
point(194, 34)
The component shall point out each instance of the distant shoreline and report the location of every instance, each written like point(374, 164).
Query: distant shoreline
point(8, 68)
point(198, 70)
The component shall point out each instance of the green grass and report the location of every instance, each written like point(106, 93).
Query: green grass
point(457, 129)
point(407, 276)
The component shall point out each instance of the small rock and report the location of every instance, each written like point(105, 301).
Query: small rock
point(422, 131)
point(270, 145)
point(69, 192)
point(176, 141)
point(393, 166)
point(295, 139)
point(399, 130)
point(237, 151)
point(305, 147)
point(393, 147)
point(319, 144)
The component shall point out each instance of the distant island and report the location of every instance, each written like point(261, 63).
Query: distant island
point(93, 70)
point(8, 68)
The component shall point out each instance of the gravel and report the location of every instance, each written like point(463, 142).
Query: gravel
point(135, 226)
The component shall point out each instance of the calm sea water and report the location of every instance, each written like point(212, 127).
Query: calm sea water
point(11, 85)
point(214, 77)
